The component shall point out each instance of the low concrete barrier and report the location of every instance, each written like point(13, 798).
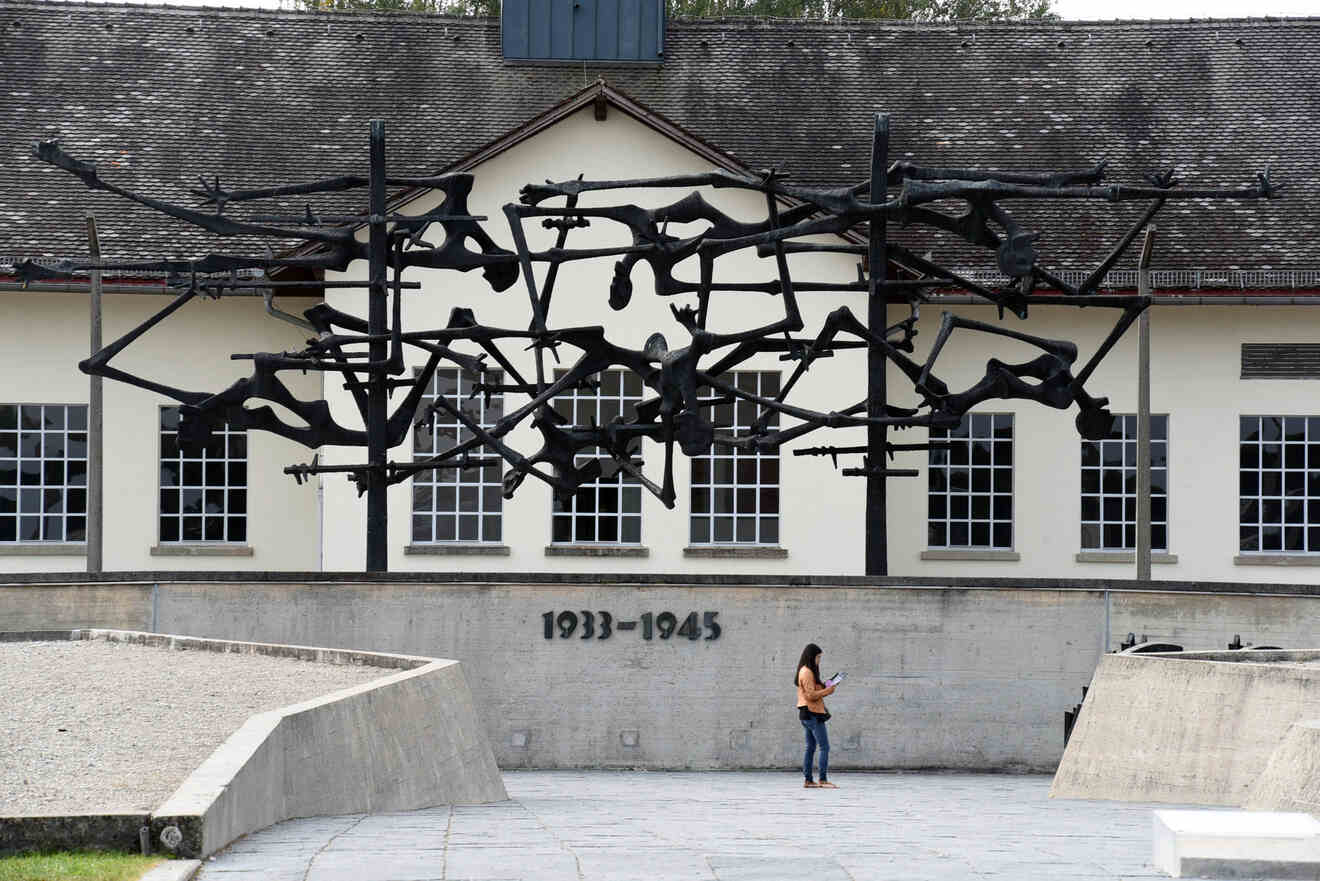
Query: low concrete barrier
point(89, 831)
point(410, 739)
point(1188, 727)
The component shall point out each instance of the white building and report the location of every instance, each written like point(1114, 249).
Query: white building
point(1237, 453)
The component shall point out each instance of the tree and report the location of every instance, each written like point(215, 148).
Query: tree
point(448, 7)
point(916, 10)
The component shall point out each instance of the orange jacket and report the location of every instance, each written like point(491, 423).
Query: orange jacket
point(808, 695)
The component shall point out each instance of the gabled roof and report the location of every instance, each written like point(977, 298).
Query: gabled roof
point(159, 95)
point(600, 96)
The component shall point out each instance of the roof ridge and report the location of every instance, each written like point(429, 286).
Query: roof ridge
point(238, 11)
point(979, 24)
point(690, 22)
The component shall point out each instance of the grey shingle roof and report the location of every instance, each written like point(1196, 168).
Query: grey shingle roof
point(158, 95)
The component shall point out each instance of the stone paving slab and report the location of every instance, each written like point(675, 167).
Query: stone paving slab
point(721, 826)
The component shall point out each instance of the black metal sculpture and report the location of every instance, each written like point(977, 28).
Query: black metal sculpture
point(369, 353)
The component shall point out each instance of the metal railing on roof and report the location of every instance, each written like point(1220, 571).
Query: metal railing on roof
point(1182, 279)
point(1117, 279)
point(8, 266)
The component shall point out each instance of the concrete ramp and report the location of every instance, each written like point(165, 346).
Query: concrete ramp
point(410, 739)
point(1191, 727)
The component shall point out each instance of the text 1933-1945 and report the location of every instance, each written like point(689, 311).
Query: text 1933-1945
point(603, 625)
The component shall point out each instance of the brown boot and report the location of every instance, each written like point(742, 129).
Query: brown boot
point(825, 784)
point(811, 784)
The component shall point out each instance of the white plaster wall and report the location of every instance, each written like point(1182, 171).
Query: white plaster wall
point(1195, 363)
point(46, 336)
point(820, 526)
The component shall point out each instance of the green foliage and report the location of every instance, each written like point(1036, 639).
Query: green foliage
point(448, 7)
point(916, 10)
point(75, 866)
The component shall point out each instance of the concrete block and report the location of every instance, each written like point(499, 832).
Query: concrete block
point(1236, 844)
point(1291, 778)
point(1187, 727)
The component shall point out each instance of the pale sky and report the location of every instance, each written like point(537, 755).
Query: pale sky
point(1068, 9)
point(1140, 9)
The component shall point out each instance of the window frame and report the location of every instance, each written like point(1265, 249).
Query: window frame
point(711, 485)
point(65, 515)
point(948, 520)
point(1101, 495)
point(625, 483)
point(481, 484)
point(1308, 480)
point(226, 432)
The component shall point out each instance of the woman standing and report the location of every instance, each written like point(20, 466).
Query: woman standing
point(811, 710)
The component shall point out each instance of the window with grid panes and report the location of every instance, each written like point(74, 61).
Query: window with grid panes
point(43, 473)
point(735, 493)
point(607, 510)
point(1109, 487)
point(970, 490)
point(451, 504)
point(203, 492)
point(1279, 484)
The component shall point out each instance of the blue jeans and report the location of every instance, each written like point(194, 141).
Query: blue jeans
point(816, 736)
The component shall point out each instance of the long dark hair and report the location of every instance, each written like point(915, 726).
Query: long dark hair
point(809, 661)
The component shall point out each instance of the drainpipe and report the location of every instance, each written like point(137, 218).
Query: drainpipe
point(95, 495)
point(320, 524)
point(1143, 412)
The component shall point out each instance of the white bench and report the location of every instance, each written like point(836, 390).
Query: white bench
point(1237, 844)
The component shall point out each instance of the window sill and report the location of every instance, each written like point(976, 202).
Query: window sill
point(201, 550)
point(46, 549)
point(742, 552)
point(1157, 557)
point(1277, 560)
point(971, 554)
point(460, 549)
point(597, 551)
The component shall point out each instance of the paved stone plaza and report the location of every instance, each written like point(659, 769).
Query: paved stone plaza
point(721, 826)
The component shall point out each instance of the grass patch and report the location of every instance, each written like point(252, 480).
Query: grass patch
point(76, 866)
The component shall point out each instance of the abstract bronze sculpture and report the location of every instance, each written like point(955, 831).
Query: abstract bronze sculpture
point(369, 353)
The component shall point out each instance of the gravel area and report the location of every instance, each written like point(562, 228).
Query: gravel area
point(98, 726)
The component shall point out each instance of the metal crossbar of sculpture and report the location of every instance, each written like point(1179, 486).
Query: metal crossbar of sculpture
point(369, 353)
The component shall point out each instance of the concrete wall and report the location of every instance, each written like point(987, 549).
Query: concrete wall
point(963, 676)
point(68, 607)
point(1189, 728)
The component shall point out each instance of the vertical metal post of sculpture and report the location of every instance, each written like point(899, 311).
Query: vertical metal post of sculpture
point(95, 422)
point(877, 544)
point(377, 382)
